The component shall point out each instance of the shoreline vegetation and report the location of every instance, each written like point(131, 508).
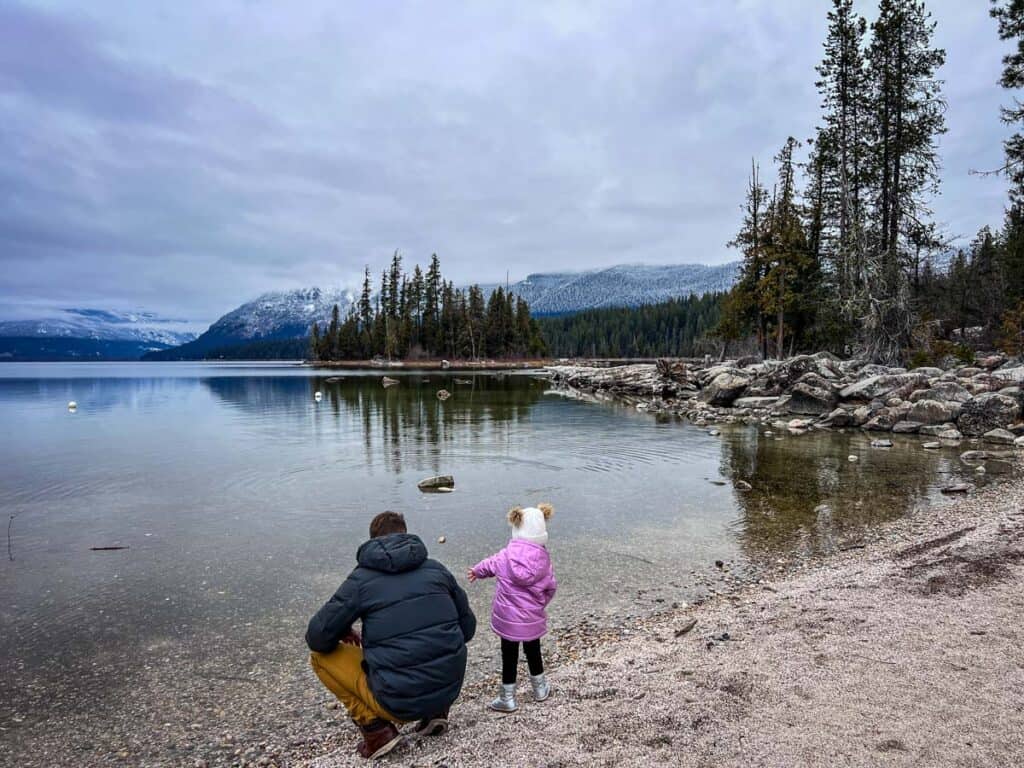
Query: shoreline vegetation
point(904, 649)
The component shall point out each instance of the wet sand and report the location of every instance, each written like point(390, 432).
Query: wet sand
point(908, 651)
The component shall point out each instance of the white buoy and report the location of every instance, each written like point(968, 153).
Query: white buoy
point(318, 396)
point(72, 406)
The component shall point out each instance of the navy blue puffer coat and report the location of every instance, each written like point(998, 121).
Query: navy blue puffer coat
point(416, 623)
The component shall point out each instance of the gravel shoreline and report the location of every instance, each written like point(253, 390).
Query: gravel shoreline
point(909, 650)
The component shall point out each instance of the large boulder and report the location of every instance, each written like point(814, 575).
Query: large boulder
point(884, 420)
point(789, 372)
point(948, 391)
point(807, 399)
point(934, 412)
point(884, 385)
point(986, 412)
point(1013, 375)
point(724, 388)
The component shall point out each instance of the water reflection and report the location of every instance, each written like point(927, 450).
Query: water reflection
point(807, 495)
point(396, 423)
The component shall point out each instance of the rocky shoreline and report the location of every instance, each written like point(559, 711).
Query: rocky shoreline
point(982, 401)
point(906, 651)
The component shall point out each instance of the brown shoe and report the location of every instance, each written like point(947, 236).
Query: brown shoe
point(379, 738)
point(435, 725)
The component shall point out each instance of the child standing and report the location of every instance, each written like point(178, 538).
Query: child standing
point(526, 584)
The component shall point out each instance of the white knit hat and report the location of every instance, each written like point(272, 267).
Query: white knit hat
point(530, 523)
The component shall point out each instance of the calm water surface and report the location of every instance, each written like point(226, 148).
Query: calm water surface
point(242, 501)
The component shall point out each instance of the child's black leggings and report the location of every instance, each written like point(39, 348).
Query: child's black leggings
point(510, 659)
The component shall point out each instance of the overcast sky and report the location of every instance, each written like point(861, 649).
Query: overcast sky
point(186, 159)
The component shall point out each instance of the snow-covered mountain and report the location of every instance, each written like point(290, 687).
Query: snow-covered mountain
point(290, 314)
point(90, 334)
point(272, 316)
point(624, 285)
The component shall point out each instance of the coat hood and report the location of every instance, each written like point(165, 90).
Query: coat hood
point(394, 553)
point(528, 562)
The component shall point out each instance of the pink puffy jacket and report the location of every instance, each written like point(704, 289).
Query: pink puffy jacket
point(525, 586)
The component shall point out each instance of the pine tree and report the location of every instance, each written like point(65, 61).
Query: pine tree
point(747, 306)
point(907, 116)
point(842, 160)
point(1010, 17)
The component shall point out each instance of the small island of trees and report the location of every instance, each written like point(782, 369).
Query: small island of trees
point(422, 316)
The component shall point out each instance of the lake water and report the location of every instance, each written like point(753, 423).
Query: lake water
point(241, 501)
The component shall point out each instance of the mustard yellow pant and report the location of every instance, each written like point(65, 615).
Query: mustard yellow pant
point(342, 672)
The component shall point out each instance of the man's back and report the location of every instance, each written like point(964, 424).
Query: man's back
point(416, 623)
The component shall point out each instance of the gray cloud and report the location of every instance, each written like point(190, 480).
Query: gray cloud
point(187, 159)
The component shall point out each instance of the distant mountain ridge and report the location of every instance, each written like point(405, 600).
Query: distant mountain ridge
point(623, 285)
point(283, 315)
point(272, 316)
point(90, 334)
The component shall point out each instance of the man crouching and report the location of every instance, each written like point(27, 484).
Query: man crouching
point(411, 659)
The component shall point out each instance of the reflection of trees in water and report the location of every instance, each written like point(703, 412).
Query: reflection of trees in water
point(792, 478)
point(409, 420)
point(404, 420)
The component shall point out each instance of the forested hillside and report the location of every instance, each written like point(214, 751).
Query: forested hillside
point(842, 251)
point(676, 328)
point(422, 315)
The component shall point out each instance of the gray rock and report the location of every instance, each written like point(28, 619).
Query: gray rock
point(967, 373)
point(883, 421)
point(436, 483)
point(934, 412)
point(840, 417)
point(987, 412)
point(1000, 436)
point(931, 446)
point(1013, 375)
point(805, 398)
point(969, 456)
point(755, 402)
point(930, 372)
point(950, 434)
point(881, 443)
point(884, 385)
point(1019, 442)
point(943, 391)
point(934, 430)
point(906, 427)
point(725, 388)
point(957, 488)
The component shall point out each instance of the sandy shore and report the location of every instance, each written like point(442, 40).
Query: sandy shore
point(909, 651)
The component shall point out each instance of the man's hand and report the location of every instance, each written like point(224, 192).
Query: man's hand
point(470, 575)
point(352, 638)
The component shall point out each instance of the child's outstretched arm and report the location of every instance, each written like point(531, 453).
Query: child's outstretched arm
point(485, 569)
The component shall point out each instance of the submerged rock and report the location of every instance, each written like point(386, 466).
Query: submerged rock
point(437, 482)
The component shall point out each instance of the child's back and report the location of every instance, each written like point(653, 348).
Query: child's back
point(525, 586)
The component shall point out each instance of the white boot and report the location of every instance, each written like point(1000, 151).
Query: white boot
point(506, 701)
point(541, 689)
